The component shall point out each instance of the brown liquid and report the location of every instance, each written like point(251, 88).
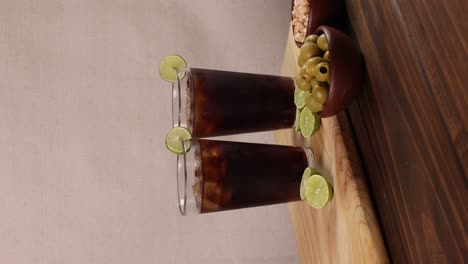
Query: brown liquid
point(233, 103)
point(240, 175)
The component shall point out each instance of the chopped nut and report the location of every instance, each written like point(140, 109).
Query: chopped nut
point(300, 19)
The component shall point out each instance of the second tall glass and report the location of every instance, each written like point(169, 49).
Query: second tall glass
point(219, 175)
point(215, 103)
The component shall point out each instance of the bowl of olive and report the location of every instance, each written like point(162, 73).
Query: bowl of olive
point(308, 15)
point(346, 70)
point(331, 71)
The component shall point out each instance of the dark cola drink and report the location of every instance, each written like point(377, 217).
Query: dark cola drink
point(222, 103)
point(233, 175)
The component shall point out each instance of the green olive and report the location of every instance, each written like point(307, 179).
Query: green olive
point(303, 73)
point(326, 56)
point(311, 63)
point(311, 38)
point(300, 61)
point(309, 50)
point(322, 72)
point(303, 84)
point(322, 42)
point(314, 82)
point(312, 104)
point(320, 93)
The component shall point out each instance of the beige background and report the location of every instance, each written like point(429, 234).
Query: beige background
point(84, 176)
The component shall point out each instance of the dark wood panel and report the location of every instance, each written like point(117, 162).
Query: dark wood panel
point(439, 38)
point(413, 154)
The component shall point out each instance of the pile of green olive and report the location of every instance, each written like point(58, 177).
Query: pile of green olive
point(314, 74)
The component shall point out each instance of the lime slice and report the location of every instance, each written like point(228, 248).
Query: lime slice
point(305, 176)
point(309, 122)
point(174, 140)
point(299, 98)
point(296, 121)
point(318, 191)
point(169, 66)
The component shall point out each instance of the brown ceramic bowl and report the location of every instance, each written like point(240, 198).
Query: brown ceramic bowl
point(346, 69)
point(322, 12)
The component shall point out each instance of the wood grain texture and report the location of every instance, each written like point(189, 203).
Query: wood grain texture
point(411, 124)
point(346, 230)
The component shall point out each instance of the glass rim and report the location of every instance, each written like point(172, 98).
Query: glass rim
point(176, 101)
point(182, 202)
point(182, 175)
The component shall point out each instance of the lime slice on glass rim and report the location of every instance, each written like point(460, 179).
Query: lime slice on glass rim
point(176, 137)
point(318, 191)
point(296, 121)
point(305, 176)
point(169, 65)
point(299, 97)
point(309, 122)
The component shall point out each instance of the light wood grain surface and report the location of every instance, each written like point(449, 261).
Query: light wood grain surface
point(346, 230)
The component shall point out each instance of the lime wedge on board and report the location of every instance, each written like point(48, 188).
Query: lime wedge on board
point(309, 122)
point(305, 176)
point(318, 191)
point(299, 98)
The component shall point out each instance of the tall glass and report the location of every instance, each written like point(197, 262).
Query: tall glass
point(214, 103)
point(220, 175)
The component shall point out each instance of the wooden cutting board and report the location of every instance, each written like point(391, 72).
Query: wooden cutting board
point(346, 230)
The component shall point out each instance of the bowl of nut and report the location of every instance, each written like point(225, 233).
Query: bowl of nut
point(331, 71)
point(308, 15)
